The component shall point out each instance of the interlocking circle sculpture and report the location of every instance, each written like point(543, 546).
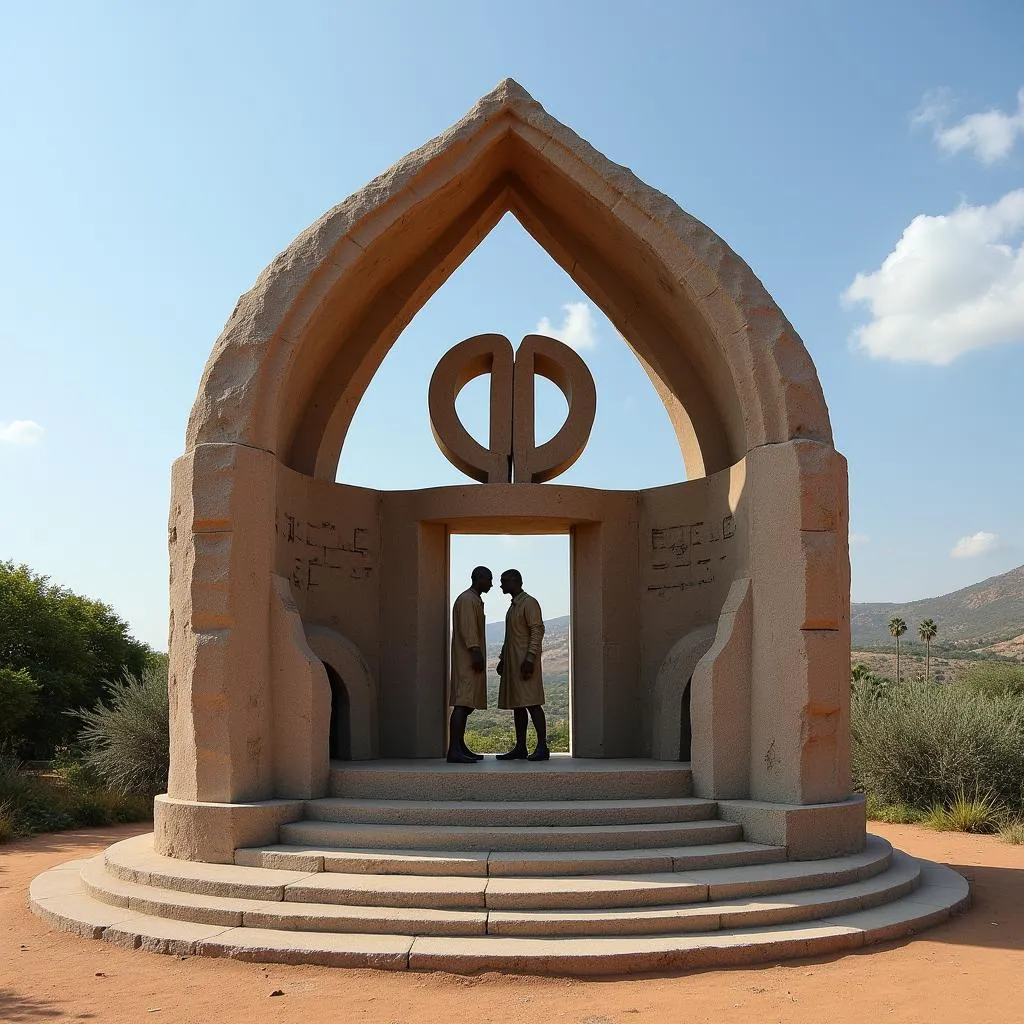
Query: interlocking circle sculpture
point(512, 454)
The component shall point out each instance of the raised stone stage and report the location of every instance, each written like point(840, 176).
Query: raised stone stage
point(563, 867)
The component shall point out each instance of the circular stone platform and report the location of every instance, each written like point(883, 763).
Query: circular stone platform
point(432, 866)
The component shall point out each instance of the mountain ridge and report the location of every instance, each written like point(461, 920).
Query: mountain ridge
point(987, 614)
point(976, 616)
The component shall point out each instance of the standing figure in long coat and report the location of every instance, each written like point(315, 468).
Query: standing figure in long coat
point(519, 666)
point(468, 690)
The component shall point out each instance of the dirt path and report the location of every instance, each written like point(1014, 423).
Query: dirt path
point(971, 969)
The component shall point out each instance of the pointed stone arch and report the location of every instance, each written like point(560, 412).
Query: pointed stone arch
point(264, 544)
point(298, 352)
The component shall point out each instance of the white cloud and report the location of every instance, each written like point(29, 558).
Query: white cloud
point(578, 326)
point(935, 107)
point(858, 540)
point(21, 432)
point(990, 135)
point(954, 283)
point(980, 543)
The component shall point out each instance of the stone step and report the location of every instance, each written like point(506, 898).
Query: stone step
point(60, 898)
point(516, 813)
point(506, 838)
point(133, 860)
point(942, 893)
point(652, 860)
point(439, 862)
point(803, 905)
point(234, 912)
point(654, 907)
point(561, 778)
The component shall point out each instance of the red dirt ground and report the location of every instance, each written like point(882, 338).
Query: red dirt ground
point(970, 969)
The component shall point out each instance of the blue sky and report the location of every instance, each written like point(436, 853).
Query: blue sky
point(866, 160)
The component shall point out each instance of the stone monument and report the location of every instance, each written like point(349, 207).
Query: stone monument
point(709, 769)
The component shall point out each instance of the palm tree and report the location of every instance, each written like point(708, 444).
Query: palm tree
point(897, 627)
point(926, 631)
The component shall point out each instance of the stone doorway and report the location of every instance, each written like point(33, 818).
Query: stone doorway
point(544, 560)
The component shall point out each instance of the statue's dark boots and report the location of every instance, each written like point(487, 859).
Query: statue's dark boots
point(540, 754)
point(517, 753)
point(472, 753)
point(458, 757)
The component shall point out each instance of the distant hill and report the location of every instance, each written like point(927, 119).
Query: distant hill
point(986, 616)
point(979, 616)
point(496, 630)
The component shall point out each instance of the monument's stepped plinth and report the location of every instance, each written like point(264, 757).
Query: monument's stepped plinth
point(565, 867)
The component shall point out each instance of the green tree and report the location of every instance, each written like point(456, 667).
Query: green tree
point(897, 627)
point(19, 693)
point(859, 672)
point(68, 644)
point(927, 631)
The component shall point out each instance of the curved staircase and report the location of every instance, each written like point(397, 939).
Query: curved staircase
point(564, 867)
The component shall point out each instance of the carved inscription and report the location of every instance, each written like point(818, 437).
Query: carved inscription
point(685, 555)
point(323, 547)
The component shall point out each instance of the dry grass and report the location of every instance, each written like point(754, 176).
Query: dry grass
point(1013, 832)
point(965, 813)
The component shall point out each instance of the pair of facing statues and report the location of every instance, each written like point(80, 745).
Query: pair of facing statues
point(519, 666)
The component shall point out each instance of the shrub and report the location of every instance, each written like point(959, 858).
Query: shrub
point(6, 822)
point(69, 766)
point(994, 678)
point(125, 738)
point(893, 814)
point(497, 739)
point(10, 768)
point(493, 741)
point(1013, 832)
point(925, 745)
point(33, 803)
point(965, 814)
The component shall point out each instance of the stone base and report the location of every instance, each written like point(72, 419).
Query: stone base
point(211, 832)
point(565, 867)
point(139, 899)
point(807, 831)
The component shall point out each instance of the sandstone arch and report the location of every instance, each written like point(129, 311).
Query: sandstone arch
point(266, 549)
point(300, 348)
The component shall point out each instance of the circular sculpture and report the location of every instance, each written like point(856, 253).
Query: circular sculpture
point(512, 453)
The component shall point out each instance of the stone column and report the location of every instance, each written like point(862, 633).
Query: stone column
point(605, 680)
point(221, 534)
point(414, 635)
point(796, 498)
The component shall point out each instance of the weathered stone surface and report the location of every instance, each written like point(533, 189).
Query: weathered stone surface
point(278, 946)
point(249, 696)
point(211, 832)
point(710, 617)
point(546, 160)
point(544, 926)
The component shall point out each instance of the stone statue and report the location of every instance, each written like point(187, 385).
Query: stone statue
point(519, 665)
point(469, 664)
